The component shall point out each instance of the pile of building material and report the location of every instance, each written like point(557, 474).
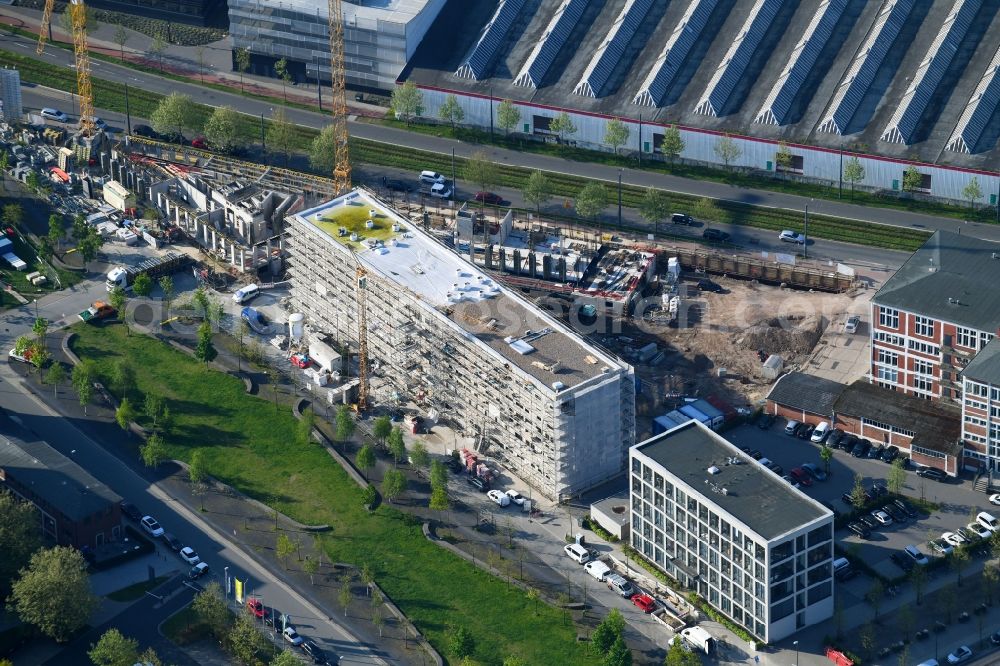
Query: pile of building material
point(785, 336)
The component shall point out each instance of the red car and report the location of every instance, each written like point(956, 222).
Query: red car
point(256, 606)
point(301, 360)
point(489, 198)
point(801, 476)
point(644, 602)
point(200, 142)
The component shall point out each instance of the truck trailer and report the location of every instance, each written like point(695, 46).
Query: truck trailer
point(124, 276)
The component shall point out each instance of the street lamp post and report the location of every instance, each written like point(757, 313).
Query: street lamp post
point(796, 644)
point(225, 581)
point(36, 309)
point(805, 233)
point(263, 144)
point(619, 199)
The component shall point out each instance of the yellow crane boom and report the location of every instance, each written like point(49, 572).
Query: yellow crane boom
point(342, 157)
point(78, 13)
point(43, 30)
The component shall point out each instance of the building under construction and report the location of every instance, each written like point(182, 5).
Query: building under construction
point(445, 337)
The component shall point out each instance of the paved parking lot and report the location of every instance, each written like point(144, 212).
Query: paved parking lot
point(958, 502)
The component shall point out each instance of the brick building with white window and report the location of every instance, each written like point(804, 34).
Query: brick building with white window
point(757, 550)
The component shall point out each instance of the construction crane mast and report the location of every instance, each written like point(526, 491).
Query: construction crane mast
point(78, 19)
point(362, 298)
point(342, 158)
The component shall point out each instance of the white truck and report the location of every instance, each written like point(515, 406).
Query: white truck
point(124, 276)
point(699, 639)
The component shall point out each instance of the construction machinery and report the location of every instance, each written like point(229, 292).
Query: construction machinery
point(78, 19)
point(342, 158)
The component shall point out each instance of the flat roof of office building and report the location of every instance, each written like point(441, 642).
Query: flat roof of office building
point(473, 301)
point(748, 491)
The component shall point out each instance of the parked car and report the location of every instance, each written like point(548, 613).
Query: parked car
point(789, 236)
point(995, 499)
point(440, 191)
point(941, 547)
point(54, 114)
point(397, 185)
point(995, 638)
point(860, 529)
point(801, 476)
point(131, 510)
point(314, 652)
point(756, 454)
point(979, 530)
point(174, 137)
point(173, 543)
point(188, 555)
point(577, 553)
point(515, 497)
point(499, 497)
point(890, 454)
point(477, 483)
point(197, 571)
point(776, 468)
point(145, 131)
point(765, 421)
point(834, 438)
point(916, 555)
point(256, 607)
point(898, 515)
point(882, 517)
point(861, 448)
point(300, 360)
point(620, 584)
point(292, 636)
point(255, 319)
point(932, 473)
point(681, 218)
point(151, 526)
point(962, 653)
point(848, 442)
point(708, 285)
point(905, 506)
point(875, 453)
point(820, 433)
point(490, 198)
point(988, 521)
point(792, 426)
point(644, 602)
point(852, 323)
point(715, 235)
point(790, 481)
point(805, 431)
point(903, 561)
point(869, 522)
point(814, 471)
point(597, 569)
point(200, 142)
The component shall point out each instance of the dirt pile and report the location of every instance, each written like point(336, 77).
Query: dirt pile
point(785, 336)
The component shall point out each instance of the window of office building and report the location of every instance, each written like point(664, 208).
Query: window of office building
point(923, 326)
point(888, 357)
point(888, 374)
point(888, 317)
point(966, 337)
point(923, 367)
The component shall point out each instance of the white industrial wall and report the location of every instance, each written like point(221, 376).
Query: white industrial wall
point(818, 163)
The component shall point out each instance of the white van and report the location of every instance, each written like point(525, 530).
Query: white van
point(247, 293)
point(432, 178)
point(597, 569)
point(820, 433)
point(577, 553)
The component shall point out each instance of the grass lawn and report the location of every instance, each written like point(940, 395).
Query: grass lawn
point(136, 590)
point(184, 627)
point(247, 444)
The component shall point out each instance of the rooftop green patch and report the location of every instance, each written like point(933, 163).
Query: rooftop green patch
point(355, 223)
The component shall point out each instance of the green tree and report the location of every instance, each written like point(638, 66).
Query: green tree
point(82, 379)
point(13, 214)
point(117, 299)
point(875, 596)
point(973, 192)
point(157, 47)
point(397, 447)
point(707, 211)
point(439, 474)
point(154, 451)
point(281, 69)
point(591, 200)
point(672, 144)
point(854, 173)
point(55, 376)
point(33, 182)
point(912, 179)
point(918, 576)
point(284, 548)
point(508, 116)
point(57, 229)
point(242, 59)
point(461, 642)
point(407, 101)
point(205, 350)
point(563, 126)
point(513, 660)
point(345, 425)
point(323, 149)
point(897, 477)
point(419, 455)
point(655, 207)
point(311, 567)
point(53, 592)
point(209, 607)
point(365, 459)
point(121, 38)
point(991, 577)
point(537, 190)
point(451, 112)
point(483, 172)
point(114, 649)
point(285, 658)
point(439, 499)
point(4, 164)
point(826, 455)
point(125, 414)
point(393, 484)
point(153, 406)
point(381, 427)
point(89, 245)
point(727, 150)
point(610, 629)
point(858, 495)
point(40, 327)
point(197, 471)
point(143, 285)
point(368, 496)
point(39, 356)
point(45, 248)
point(121, 375)
point(678, 655)
point(175, 113)
point(344, 595)
point(306, 425)
point(167, 288)
point(616, 134)
point(281, 134)
point(619, 654)
point(959, 560)
point(783, 157)
point(245, 640)
point(222, 129)
point(19, 535)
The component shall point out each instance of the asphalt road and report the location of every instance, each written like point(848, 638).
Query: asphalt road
point(154, 83)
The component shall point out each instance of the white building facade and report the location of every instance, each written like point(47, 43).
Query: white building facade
point(757, 550)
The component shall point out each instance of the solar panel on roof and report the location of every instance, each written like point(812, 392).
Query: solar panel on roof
point(678, 47)
point(978, 112)
point(737, 59)
point(551, 43)
point(869, 57)
point(778, 104)
point(477, 65)
point(611, 50)
point(903, 124)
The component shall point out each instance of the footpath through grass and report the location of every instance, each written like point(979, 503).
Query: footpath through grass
point(110, 95)
point(248, 444)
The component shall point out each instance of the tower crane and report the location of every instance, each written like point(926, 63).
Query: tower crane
point(78, 19)
point(342, 158)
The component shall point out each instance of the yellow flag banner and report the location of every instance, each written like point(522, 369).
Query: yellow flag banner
point(239, 590)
